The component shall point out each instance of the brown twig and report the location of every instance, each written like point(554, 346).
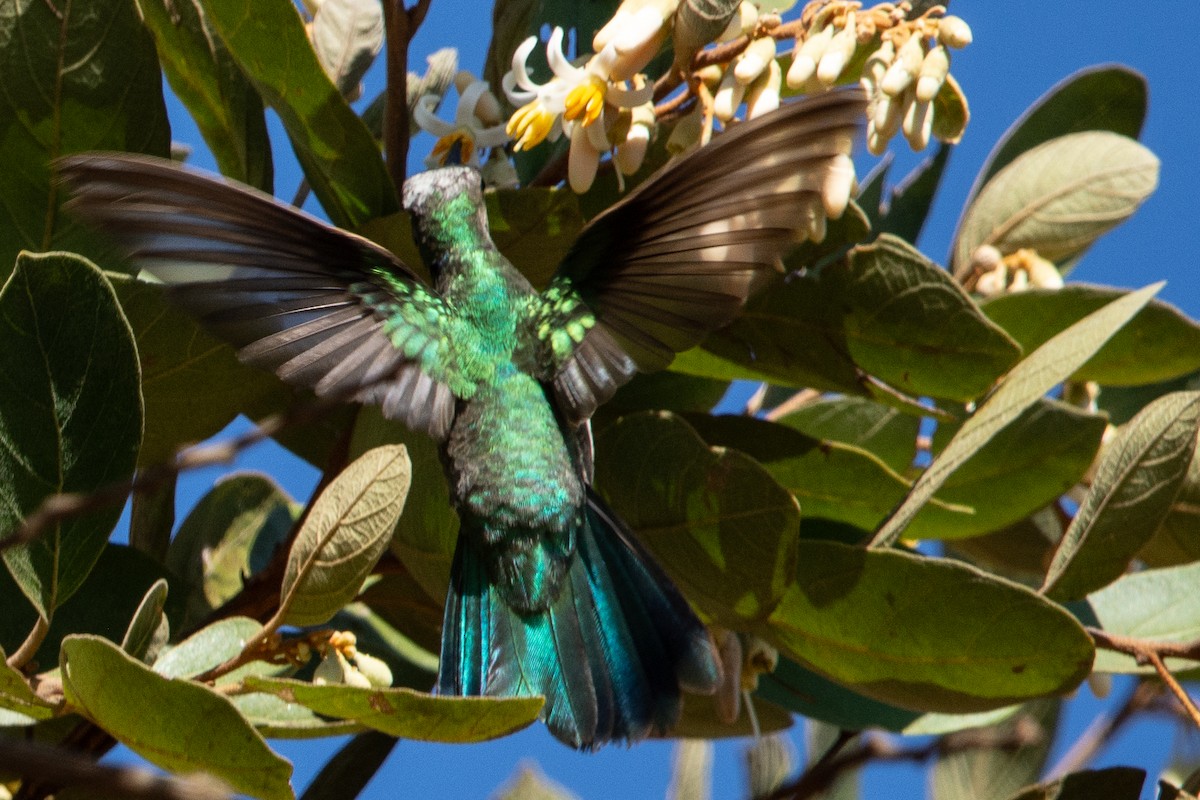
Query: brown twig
point(1146, 651)
point(821, 775)
point(401, 25)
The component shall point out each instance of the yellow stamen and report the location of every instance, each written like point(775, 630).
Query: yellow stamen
point(586, 101)
point(529, 125)
point(444, 146)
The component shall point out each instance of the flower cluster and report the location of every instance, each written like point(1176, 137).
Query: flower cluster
point(601, 105)
point(343, 663)
point(477, 123)
point(993, 273)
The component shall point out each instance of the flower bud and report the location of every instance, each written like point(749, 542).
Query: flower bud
point(742, 22)
point(754, 60)
point(994, 282)
point(1042, 273)
point(876, 67)
point(762, 97)
point(918, 124)
point(953, 32)
point(376, 671)
point(728, 97)
point(332, 669)
point(1019, 282)
point(838, 185)
point(985, 259)
point(904, 69)
point(806, 55)
point(934, 70)
point(889, 112)
point(839, 52)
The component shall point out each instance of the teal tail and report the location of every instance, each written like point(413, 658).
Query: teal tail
point(610, 654)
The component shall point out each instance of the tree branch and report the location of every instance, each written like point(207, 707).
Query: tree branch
point(1146, 651)
point(401, 26)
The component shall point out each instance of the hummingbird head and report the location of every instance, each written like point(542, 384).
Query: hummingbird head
point(448, 213)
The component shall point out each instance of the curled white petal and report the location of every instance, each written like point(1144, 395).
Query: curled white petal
point(624, 97)
point(425, 115)
point(520, 56)
point(559, 64)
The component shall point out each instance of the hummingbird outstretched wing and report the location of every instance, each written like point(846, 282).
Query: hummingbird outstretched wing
point(678, 257)
point(320, 307)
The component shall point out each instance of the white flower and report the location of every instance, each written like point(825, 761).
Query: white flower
point(460, 142)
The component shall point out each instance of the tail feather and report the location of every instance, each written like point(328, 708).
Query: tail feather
point(610, 654)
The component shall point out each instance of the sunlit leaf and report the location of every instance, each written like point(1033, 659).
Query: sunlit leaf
point(148, 630)
point(1136, 480)
point(1158, 344)
point(722, 528)
point(70, 415)
point(925, 633)
point(1060, 196)
point(1177, 540)
point(177, 725)
point(77, 77)
point(1155, 604)
point(226, 108)
point(340, 157)
point(1051, 363)
point(347, 35)
point(344, 534)
point(410, 714)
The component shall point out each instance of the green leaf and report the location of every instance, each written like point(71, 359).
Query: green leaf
point(425, 537)
point(104, 604)
point(1136, 481)
point(1101, 98)
point(1027, 465)
point(1113, 783)
point(722, 528)
point(1156, 604)
point(1121, 403)
point(911, 200)
point(226, 108)
point(951, 113)
point(886, 433)
point(77, 77)
point(231, 533)
point(534, 228)
point(193, 384)
point(208, 647)
point(1019, 552)
point(925, 633)
point(178, 725)
point(1050, 364)
point(70, 415)
point(997, 772)
point(344, 534)
point(149, 630)
point(911, 325)
point(409, 714)
point(829, 479)
point(340, 157)
point(1158, 344)
point(1059, 197)
point(17, 695)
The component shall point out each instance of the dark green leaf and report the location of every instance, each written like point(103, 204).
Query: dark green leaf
point(722, 528)
point(870, 192)
point(1155, 604)
point(77, 77)
point(104, 604)
point(882, 431)
point(1114, 783)
point(70, 414)
point(344, 533)
point(911, 325)
point(1019, 552)
point(1177, 540)
point(149, 630)
point(912, 199)
point(340, 157)
point(925, 633)
point(193, 383)
point(829, 479)
point(1121, 403)
point(152, 517)
point(1059, 197)
point(1050, 364)
point(231, 533)
point(409, 714)
point(1101, 98)
point(534, 228)
point(177, 725)
point(1027, 465)
point(226, 108)
point(1158, 344)
point(1136, 481)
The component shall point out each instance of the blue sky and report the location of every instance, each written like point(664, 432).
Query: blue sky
point(1021, 48)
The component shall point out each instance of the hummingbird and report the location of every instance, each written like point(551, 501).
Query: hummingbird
point(550, 592)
